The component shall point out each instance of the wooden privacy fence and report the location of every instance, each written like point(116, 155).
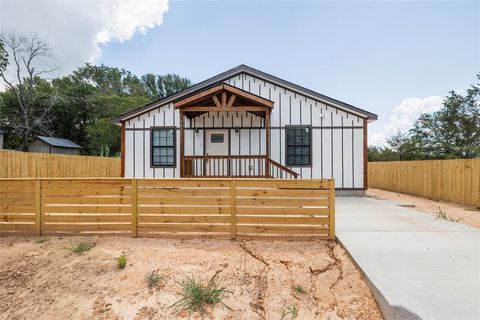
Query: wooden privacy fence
point(229, 208)
point(16, 164)
point(448, 180)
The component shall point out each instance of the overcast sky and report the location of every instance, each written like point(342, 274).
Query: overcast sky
point(396, 59)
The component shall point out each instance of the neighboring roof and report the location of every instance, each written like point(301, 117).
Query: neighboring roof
point(253, 72)
point(59, 142)
point(1, 131)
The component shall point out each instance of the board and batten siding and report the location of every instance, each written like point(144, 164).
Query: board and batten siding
point(337, 135)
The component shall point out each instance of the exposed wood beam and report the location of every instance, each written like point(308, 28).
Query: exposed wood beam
point(182, 144)
point(200, 95)
point(231, 101)
point(217, 102)
point(225, 88)
point(224, 99)
point(215, 108)
point(248, 95)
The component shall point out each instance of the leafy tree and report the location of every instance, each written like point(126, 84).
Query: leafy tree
point(376, 153)
point(453, 132)
point(160, 86)
point(79, 106)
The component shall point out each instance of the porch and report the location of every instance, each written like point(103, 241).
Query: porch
point(229, 106)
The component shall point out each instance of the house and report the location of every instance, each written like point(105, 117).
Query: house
point(53, 145)
point(247, 123)
point(1, 138)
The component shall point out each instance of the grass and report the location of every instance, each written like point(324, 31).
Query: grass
point(442, 214)
point(196, 296)
point(81, 247)
point(152, 279)
point(290, 313)
point(41, 240)
point(299, 289)
point(121, 261)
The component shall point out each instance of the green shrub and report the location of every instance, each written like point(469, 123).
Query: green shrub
point(121, 261)
point(81, 247)
point(196, 296)
point(152, 279)
point(290, 313)
point(41, 240)
point(299, 289)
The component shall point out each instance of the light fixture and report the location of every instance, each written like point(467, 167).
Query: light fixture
point(236, 130)
point(197, 130)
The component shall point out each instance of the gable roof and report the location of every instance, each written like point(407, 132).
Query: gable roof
point(255, 73)
point(59, 142)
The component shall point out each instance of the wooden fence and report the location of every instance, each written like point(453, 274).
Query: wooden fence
point(15, 164)
point(228, 208)
point(448, 180)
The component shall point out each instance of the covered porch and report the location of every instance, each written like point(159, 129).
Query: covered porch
point(213, 125)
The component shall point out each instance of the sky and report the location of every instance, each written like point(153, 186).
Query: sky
point(397, 59)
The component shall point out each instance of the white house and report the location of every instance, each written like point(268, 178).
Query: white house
point(247, 123)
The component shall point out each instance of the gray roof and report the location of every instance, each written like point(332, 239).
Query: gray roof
point(1, 131)
point(59, 142)
point(253, 72)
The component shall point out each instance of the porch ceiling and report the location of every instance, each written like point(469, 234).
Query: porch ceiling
point(223, 97)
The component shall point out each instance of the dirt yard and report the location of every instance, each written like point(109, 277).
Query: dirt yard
point(48, 281)
point(453, 211)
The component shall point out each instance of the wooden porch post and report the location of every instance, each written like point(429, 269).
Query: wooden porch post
point(267, 143)
point(122, 150)
point(182, 144)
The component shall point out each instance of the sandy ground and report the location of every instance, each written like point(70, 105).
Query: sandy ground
point(49, 281)
point(455, 211)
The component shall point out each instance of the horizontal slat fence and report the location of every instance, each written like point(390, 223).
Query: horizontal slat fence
point(16, 164)
point(225, 208)
point(448, 180)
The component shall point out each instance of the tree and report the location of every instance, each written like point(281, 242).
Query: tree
point(160, 86)
point(30, 114)
point(453, 131)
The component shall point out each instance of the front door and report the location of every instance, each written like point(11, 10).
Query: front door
point(217, 144)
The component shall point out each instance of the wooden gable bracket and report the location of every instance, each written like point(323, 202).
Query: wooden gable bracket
point(224, 96)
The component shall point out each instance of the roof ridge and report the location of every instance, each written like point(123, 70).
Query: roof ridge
point(254, 72)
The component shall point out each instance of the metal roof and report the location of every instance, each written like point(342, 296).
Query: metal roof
point(59, 142)
point(253, 72)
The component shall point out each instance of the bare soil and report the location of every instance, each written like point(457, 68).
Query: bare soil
point(49, 281)
point(455, 212)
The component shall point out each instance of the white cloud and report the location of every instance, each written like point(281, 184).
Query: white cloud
point(76, 29)
point(404, 115)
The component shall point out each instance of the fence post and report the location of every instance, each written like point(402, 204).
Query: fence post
point(38, 208)
point(134, 207)
point(331, 210)
point(233, 208)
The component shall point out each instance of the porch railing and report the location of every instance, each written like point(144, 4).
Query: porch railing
point(236, 166)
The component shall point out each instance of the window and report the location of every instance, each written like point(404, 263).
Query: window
point(163, 147)
point(216, 138)
point(298, 146)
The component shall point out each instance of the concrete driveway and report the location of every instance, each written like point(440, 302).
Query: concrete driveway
point(418, 267)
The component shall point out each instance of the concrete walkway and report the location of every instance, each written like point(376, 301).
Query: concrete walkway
point(418, 267)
